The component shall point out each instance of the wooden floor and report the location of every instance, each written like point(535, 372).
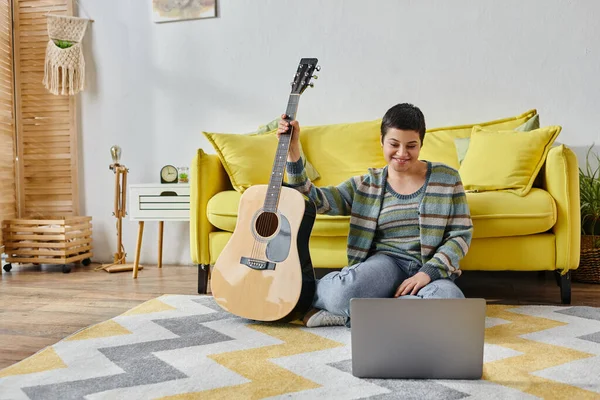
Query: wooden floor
point(39, 305)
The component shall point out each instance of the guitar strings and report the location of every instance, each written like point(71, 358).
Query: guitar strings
point(266, 221)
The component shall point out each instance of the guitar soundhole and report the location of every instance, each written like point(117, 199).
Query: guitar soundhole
point(266, 224)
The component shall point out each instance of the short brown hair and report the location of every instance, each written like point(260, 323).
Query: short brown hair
point(404, 116)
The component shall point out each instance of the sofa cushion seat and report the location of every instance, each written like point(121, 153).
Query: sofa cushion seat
point(222, 211)
point(500, 213)
point(494, 214)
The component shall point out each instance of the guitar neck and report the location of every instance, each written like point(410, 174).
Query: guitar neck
point(283, 147)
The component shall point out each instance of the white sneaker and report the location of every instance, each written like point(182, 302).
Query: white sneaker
point(325, 318)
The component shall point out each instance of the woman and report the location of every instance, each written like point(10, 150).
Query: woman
point(409, 227)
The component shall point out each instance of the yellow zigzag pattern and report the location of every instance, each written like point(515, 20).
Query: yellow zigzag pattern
point(267, 379)
point(516, 371)
point(148, 307)
point(103, 329)
point(45, 360)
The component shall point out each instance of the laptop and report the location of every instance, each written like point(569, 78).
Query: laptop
point(417, 338)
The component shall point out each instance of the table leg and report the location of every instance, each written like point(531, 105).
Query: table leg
point(138, 247)
point(160, 242)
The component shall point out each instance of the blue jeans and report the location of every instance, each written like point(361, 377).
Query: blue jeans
point(379, 276)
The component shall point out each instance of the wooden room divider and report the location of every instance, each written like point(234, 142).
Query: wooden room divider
point(46, 125)
point(8, 178)
point(38, 130)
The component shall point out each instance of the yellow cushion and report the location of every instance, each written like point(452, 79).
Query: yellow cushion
point(248, 158)
point(498, 214)
point(341, 151)
point(222, 210)
point(439, 142)
point(494, 214)
point(506, 160)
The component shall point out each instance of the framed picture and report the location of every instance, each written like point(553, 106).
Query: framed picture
point(178, 10)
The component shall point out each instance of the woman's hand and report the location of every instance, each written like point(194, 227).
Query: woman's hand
point(284, 126)
point(413, 284)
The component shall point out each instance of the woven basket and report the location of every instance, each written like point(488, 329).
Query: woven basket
point(589, 264)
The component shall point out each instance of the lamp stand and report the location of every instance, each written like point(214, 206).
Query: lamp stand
point(119, 259)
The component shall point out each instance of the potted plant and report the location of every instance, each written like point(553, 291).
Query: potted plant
point(63, 44)
point(183, 175)
point(589, 190)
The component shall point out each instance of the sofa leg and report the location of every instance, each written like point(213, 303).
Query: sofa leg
point(564, 282)
point(203, 270)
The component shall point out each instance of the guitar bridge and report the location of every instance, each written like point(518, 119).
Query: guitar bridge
point(257, 264)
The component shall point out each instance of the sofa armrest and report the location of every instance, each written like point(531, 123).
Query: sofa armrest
point(207, 178)
point(561, 180)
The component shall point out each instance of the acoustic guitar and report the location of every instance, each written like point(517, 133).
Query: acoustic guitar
point(265, 272)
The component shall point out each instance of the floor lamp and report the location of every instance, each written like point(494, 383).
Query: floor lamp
point(119, 260)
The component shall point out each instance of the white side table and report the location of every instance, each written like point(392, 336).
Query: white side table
point(157, 202)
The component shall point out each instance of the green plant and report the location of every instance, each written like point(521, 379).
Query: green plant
point(63, 44)
point(589, 190)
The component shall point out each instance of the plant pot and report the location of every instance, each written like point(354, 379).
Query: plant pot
point(589, 264)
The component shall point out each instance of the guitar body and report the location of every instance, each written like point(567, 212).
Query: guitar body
point(265, 272)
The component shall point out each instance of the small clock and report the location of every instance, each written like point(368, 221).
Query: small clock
point(168, 174)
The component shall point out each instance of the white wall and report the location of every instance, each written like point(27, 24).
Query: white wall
point(153, 88)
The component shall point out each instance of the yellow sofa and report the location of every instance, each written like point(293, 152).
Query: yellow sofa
point(534, 232)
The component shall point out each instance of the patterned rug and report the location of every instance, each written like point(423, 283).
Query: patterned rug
point(186, 347)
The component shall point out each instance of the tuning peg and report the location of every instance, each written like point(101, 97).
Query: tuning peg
point(318, 67)
point(311, 84)
point(315, 76)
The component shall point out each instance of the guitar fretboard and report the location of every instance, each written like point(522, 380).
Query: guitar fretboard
point(276, 180)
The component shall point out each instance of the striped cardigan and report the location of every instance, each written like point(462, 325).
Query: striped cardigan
point(446, 227)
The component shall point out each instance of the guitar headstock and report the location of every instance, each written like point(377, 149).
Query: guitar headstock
point(304, 75)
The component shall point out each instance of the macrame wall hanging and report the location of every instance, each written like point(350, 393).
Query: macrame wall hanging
point(64, 69)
